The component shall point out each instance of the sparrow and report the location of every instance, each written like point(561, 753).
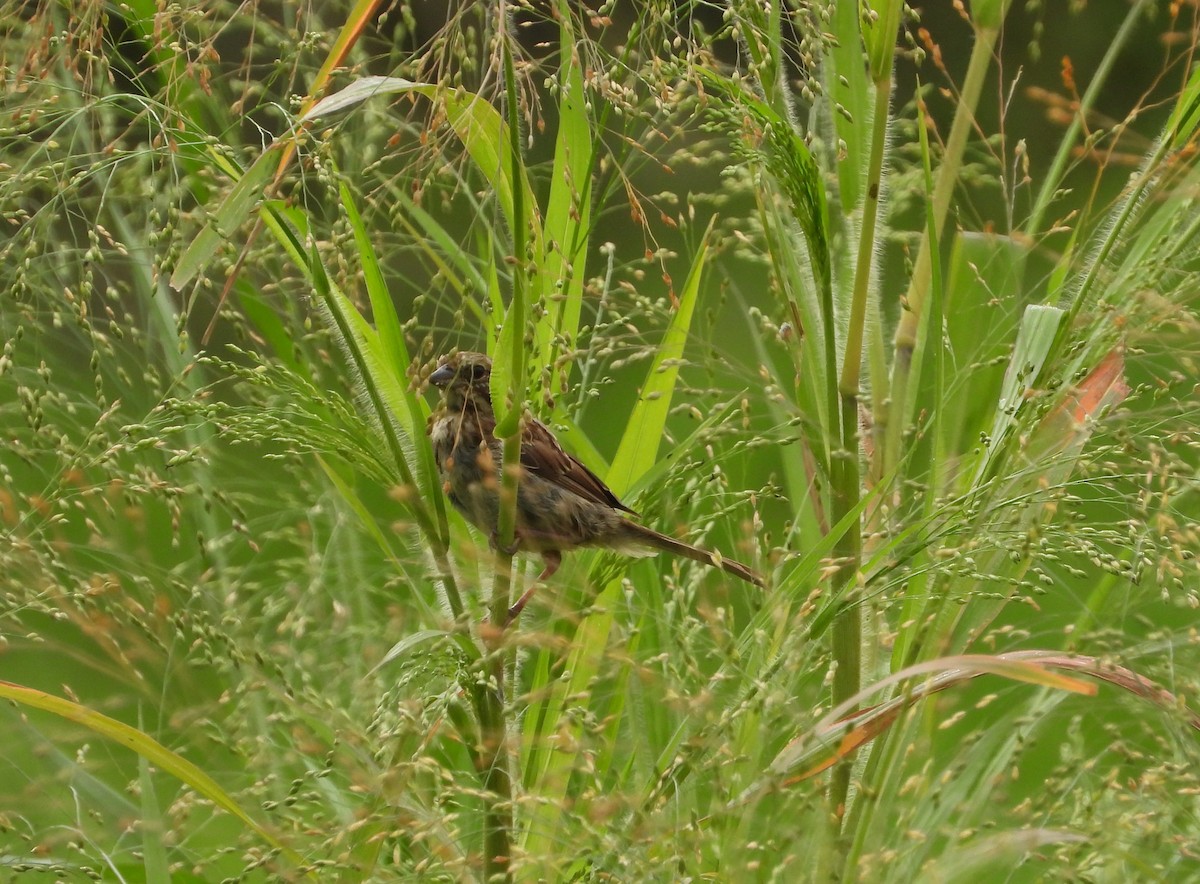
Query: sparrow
point(561, 504)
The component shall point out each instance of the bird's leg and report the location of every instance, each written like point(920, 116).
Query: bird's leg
point(551, 558)
point(510, 550)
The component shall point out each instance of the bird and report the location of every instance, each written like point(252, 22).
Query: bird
point(561, 504)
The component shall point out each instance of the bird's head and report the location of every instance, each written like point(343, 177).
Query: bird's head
point(463, 376)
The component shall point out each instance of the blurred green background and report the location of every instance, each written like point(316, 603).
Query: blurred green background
point(206, 577)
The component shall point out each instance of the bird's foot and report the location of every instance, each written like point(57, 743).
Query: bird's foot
point(510, 549)
point(552, 559)
point(515, 611)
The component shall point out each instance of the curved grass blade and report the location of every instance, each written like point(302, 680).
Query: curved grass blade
point(148, 748)
point(1036, 667)
point(851, 729)
point(477, 124)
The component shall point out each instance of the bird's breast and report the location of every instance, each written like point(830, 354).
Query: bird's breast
point(468, 467)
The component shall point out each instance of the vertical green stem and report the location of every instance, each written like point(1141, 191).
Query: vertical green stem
point(847, 637)
point(493, 762)
point(918, 287)
point(891, 417)
point(847, 633)
point(496, 756)
point(847, 628)
point(509, 429)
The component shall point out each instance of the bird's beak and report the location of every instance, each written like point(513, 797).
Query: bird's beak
point(442, 376)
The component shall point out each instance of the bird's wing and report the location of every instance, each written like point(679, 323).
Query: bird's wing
point(543, 456)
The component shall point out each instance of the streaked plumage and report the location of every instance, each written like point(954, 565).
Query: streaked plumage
point(561, 504)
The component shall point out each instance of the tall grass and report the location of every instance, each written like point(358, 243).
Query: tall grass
point(936, 384)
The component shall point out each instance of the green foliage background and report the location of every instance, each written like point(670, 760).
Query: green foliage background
point(245, 638)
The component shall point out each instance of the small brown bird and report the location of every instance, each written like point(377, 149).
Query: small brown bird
point(561, 504)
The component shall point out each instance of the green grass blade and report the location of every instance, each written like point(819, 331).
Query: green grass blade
point(392, 358)
point(1185, 115)
point(478, 125)
point(568, 222)
point(153, 826)
point(635, 456)
point(230, 215)
point(148, 748)
point(644, 431)
point(1036, 340)
point(850, 95)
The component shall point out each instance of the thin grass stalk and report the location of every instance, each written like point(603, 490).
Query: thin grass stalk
point(846, 633)
point(396, 449)
point(334, 306)
point(914, 299)
point(878, 27)
point(497, 773)
point(176, 347)
point(847, 629)
point(884, 754)
point(797, 172)
point(311, 264)
point(933, 337)
point(491, 755)
point(508, 428)
point(1132, 204)
point(1099, 81)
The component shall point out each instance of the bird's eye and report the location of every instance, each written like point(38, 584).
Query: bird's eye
point(478, 372)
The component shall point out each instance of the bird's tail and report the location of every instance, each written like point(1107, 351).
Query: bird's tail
point(640, 534)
